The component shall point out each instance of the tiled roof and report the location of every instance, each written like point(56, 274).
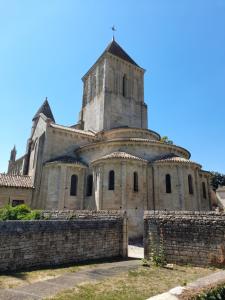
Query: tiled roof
point(174, 159)
point(121, 155)
point(115, 49)
point(65, 159)
point(88, 133)
point(19, 181)
point(45, 110)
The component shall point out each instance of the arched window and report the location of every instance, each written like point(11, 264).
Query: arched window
point(73, 185)
point(168, 183)
point(124, 85)
point(111, 180)
point(190, 185)
point(204, 190)
point(89, 185)
point(135, 182)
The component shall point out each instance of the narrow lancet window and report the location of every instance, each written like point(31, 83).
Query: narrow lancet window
point(111, 180)
point(73, 185)
point(204, 190)
point(190, 185)
point(168, 184)
point(135, 182)
point(124, 85)
point(89, 185)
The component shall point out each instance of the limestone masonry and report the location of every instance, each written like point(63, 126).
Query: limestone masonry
point(109, 160)
point(27, 244)
point(186, 237)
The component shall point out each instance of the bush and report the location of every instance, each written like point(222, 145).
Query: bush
point(19, 212)
point(215, 293)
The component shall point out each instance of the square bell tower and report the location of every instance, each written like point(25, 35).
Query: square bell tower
point(113, 92)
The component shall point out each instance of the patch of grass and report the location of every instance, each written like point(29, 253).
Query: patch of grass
point(15, 279)
point(136, 284)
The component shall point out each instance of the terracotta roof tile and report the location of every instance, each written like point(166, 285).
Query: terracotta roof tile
point(174, 159)
point(19, 181)
point(121, 155)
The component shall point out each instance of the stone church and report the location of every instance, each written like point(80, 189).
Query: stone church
point(109, 160)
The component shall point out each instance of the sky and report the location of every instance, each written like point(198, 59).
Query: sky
point(46, 46)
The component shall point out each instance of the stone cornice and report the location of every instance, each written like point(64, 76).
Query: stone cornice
point(127, 129)
point(57, 164)
point(134, 141)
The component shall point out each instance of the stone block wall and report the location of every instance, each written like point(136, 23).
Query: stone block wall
point(196, 238)
point(8, 194)
point(27, 244)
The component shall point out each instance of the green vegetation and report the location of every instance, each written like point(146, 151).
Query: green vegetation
point(217, 293)
point(19, 212)
point(217, 179)
point(165, 139)
point(157, 255)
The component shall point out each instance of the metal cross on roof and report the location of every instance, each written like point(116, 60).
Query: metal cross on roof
point(113, 30)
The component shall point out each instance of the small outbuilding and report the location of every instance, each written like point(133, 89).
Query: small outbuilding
point(15, 189)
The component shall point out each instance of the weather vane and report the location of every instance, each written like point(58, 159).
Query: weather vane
point(113, 30)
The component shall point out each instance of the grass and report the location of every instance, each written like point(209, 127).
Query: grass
point(15, 279)
point(136, 285)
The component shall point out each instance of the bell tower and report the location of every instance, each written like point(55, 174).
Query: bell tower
point(113, 92)
point(12, 160)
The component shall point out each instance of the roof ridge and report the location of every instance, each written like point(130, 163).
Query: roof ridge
point(63, 127)
point(14, 175)
point(115, 49)
point(119, 154)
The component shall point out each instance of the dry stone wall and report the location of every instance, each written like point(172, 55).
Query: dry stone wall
point(27, 244)
point(196, 238)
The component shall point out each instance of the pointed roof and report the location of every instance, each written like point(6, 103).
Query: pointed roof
point(45, 110)
point(115, 49)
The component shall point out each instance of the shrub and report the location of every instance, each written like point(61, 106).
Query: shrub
point(214, 294)
point(157, 252)
point(19, 212)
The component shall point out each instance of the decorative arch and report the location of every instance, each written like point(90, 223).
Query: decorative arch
point(73, 185)
point(111, 185)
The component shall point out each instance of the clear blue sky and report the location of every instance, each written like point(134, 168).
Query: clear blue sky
point(47, 45)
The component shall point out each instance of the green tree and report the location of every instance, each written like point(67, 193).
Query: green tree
point(217, 179)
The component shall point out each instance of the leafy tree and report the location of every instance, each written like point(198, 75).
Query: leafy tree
point(217, 179)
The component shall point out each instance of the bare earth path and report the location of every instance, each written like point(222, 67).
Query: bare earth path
point(47, 288)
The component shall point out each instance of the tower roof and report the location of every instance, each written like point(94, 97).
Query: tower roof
point(115, 49)
point(45, 110)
